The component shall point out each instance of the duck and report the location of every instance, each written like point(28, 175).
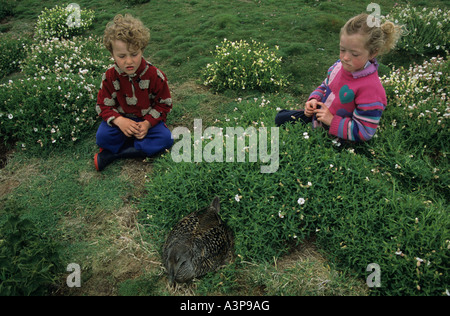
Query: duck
point(199, 243)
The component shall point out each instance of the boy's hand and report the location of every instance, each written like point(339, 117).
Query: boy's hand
point(324, 115)
point(311, 106)
point(144, 126)
point(127, 126)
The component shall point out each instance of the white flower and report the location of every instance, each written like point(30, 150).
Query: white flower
point(280, 215)
point(237, 197)
point(10, 116)
point(336, 142)
point(301, 200)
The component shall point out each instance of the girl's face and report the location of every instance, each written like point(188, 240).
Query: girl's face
point(127, 61)
point(353, 53)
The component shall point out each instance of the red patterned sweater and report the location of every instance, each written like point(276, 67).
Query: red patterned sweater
point(144, 94)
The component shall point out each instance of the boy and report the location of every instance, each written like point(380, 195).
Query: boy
point(134, 98)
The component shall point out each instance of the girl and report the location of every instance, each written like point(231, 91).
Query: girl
point(350, 101)
point(134, 98)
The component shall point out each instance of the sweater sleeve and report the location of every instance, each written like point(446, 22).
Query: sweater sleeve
point(361, 126)
point(162, 100)
point(106, 100)
point(321, 92)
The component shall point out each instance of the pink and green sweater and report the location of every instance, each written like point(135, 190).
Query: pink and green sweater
point(356, 99)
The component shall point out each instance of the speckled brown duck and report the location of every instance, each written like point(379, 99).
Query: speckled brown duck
point(199, 243)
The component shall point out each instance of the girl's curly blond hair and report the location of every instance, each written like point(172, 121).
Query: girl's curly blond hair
point(379, 39)
point(126, 29)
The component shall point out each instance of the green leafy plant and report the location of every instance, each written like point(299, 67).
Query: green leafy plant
point(63, 22)
point(13, 50)
point(55, 105)
point(337, 192)
point(7, 8)
point(427, 29)
point(85, 55)
point(29, 263)
point(48, 111)
point(418, 105)
point(243, 65)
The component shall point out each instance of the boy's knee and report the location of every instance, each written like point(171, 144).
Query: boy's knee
point(109, 137)
point(158, 140)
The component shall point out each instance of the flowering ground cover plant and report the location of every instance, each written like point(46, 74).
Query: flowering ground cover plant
point(47, 111)
point(344, 195)
point(419, 104)
point(427, 29)
point(61, 56)
point(12, 50)
point(53, 106)
point(243, 65)
point(54, 22)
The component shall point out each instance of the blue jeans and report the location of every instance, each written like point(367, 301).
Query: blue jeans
point(113, 139)
point(285, 116)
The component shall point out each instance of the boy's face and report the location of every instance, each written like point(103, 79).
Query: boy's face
point(127, 61)
point(353, 53)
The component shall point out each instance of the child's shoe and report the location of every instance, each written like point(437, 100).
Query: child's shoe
point(103, 158)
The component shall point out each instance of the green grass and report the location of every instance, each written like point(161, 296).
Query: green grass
point(113, 223)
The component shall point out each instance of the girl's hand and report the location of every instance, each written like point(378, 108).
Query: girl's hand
point(127, 126)
point(143, 129)
point(324, 115)
point(311, 106)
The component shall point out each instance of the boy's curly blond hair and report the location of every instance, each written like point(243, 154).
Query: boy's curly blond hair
point(129, 30)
